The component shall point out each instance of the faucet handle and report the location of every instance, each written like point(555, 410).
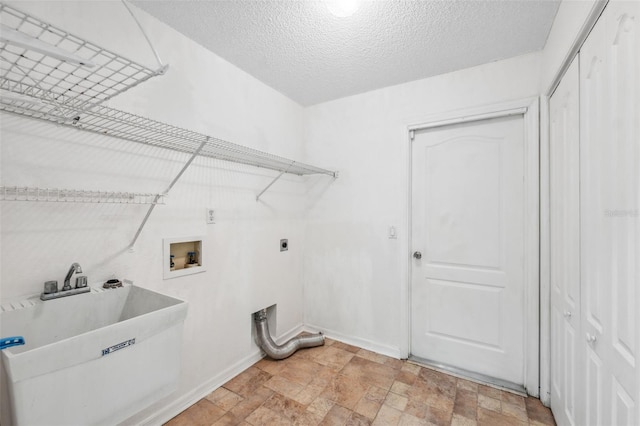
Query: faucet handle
point(50, 287)
point(81, 281)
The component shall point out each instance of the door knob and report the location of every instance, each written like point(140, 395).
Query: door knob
point(591, 338)
point(567, 314)
point(417, 255)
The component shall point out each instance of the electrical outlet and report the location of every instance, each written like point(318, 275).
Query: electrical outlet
point(210, 216)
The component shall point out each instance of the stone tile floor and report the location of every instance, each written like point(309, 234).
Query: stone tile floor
point(339, 384)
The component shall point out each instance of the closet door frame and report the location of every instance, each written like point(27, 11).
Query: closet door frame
point(545, 248)
point(530, 109)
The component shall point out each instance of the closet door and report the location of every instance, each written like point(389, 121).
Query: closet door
point(610, 184)
point(567, 399)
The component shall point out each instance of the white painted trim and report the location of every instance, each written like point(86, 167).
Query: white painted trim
point(405, 290)
point(355, 341)
point(467, 115)
point(471, 118)
point(175, 407)
point(585, 30)
point(532, 248)
point(529, 108)
point(545, 256)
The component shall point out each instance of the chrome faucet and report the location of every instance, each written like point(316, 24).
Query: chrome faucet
point(51, 287)
point(75, 267)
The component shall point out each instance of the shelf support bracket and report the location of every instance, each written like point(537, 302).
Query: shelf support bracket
point(274, 180)
point(166, 192)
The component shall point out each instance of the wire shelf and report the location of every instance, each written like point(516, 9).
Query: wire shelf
point(47, 83)
point(112, 122)
point(24, 193)
point(40, 86)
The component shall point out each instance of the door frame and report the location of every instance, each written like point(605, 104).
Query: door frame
point(529, 109)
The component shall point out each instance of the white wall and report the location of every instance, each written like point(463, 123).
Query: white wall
point(355, 277)
point(246, 271)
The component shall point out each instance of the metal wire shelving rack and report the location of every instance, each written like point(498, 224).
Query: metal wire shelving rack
point(53, 73)
point(55, 195)
point(49, 74)
point(108, 121)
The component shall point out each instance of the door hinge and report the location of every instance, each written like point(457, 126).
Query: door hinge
point(412, 134)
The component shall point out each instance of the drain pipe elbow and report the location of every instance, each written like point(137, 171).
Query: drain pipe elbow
point(274, 351)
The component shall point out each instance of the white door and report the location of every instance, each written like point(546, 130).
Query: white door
point(610, 215)
point(467, 297)
point(567, 400)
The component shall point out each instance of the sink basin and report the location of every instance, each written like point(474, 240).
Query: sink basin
point(93, 358)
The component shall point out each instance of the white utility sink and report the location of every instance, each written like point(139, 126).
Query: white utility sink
point(93, 358)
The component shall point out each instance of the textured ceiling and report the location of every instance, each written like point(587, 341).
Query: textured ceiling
point(303, 51)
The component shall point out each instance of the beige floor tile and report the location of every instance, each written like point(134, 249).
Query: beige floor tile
point(406, 377)
point(320, 407)
point(301, 371)
point(466, 404)
point(445, 384)
point(459, 420)
point(396, 401)
point(336, 416)
point(537, 423)
point(371, 356)
point(492, 418)
point(538, 412)
point(340, 384)
point(288, 408)
point(248, 381)
point(394, 363)
point(333, 358)
point(416, 409)
point(400, 388)
point(370, 372)
point(346, 347)
point(467, 385)
point(201, 413)
point(438, 416)
point(307, 395)
point(512, 398)
point(244, 408)
point(228, 420)
point(224, 398)
point(489, 403)
point(345, 391)
point(490, 392)
point(432, 395)
point(409, 420)
point(263, 416)
point(515, 411)
point(371, 402)
point(387, 416)
point(270, 366)
point(181, 419)
point(411, 368)
point(358, 420)
point(284, 386)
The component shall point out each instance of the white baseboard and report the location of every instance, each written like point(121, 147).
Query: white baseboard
point(175, 407)
point(183, 402)
point(356, 341)
point(290, 334)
